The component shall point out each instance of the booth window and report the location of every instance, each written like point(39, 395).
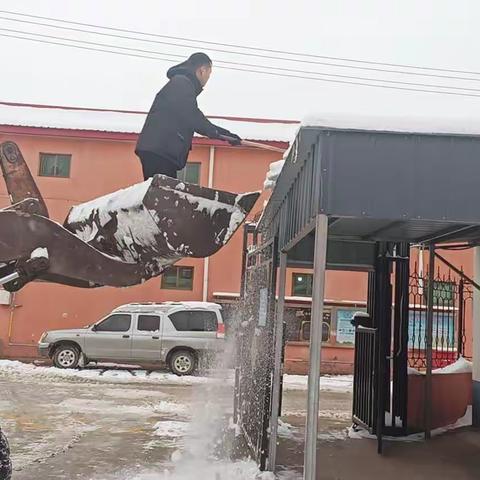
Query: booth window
point(302, 284)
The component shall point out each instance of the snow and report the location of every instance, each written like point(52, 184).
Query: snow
point(211, 470)
point(465, 421)
point(285, 430)
point(167, 306)
point(462, 365)
point(82, 405)
point(413, 371)
point(171, 429)
point(126, 198)
point(24, 370)
point(132, 122)
point(330, 383)
point(39, 253)
point(135, 224)
point(412, 124)
point(272, 174)
point(171, 408)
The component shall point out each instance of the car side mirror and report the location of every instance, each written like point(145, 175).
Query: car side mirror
point(94, 328)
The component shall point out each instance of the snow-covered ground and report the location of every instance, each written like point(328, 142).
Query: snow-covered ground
point(331, 383)
point(94, 374)
point(328, 383)
point(465, 421)
point(111, 422)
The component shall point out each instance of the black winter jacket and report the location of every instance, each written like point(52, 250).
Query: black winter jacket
point(174, 117)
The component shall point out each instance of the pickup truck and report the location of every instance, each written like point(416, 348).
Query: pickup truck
point(175, 334)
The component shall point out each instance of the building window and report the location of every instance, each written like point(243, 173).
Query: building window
point(178, 278)
point(55, 165)
point(302, 284)
point(190, 173)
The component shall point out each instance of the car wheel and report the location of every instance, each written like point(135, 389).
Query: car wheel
point(182, 362)
point(5, 462)
point(66, 356)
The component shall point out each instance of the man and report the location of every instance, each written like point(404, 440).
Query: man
point(166, 137)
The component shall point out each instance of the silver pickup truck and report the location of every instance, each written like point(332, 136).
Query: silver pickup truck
point(170, 333)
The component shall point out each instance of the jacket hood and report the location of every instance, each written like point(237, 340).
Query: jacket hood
point(186, 69)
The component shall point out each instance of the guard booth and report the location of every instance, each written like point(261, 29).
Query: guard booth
point(352, 197)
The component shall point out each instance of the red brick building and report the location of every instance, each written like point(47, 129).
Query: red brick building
point(79, 154)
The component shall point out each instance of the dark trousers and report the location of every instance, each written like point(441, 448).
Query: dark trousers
point(153, 164)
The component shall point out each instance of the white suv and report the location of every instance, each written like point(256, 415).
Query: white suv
point(171, 333)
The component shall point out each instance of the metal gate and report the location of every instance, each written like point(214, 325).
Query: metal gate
point(380, 381)
point(364, 388)
point(452, 300)
point(396, 337)
point(254, 370)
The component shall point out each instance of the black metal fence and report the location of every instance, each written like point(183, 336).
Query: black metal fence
point(453, 299)
point(253, 378)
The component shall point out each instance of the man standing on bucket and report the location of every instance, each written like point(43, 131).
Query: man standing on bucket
point(166, 137)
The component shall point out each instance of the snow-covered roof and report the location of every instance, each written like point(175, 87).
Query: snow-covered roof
point(410, 124)
point(69, 118)
point(272, 174)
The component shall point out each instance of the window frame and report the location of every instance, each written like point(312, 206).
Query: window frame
point(295, 275)
point(177, 287)
point(189, 313)
point(96, 329)
point(139, 315)
point(44, 155)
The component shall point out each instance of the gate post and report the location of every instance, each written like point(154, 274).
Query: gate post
point(319, 265)
point(476, 340)
point(429, 345)
point(277, 368)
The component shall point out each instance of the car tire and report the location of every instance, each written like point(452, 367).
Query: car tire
point(183, 362)
point(66, 356)
point(5, 462)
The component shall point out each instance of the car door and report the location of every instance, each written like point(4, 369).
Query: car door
point(110, 338)
point(146, 337)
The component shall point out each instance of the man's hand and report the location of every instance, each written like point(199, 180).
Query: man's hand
point(228, 136)
point(233, 139)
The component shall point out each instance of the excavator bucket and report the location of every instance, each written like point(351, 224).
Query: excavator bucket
point(121, 239)
point(160, 218)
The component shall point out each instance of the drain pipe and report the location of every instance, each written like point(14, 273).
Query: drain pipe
point(13, 306)
point(206, 262)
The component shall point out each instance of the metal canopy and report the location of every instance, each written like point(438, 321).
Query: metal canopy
point(377, 186)
point(341, 191)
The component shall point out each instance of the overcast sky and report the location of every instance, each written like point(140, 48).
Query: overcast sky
point(429, 33)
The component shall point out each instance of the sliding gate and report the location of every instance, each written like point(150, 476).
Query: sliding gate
point(254, 370)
